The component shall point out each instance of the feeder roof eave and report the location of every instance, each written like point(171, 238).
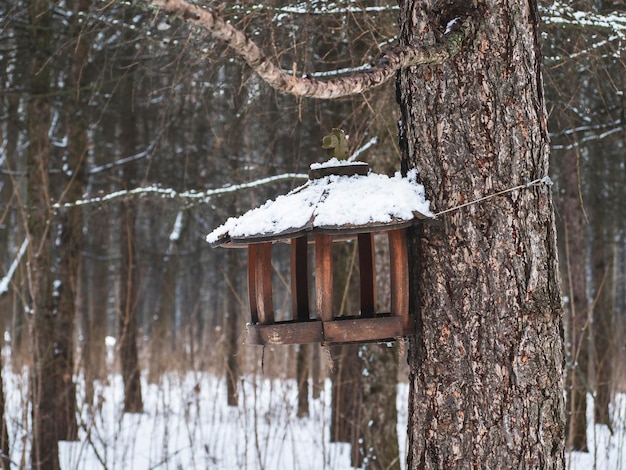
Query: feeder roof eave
point(335, 205)
point(349, 231)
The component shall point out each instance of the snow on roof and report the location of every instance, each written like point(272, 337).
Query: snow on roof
point(330, 203)
point(334, 162)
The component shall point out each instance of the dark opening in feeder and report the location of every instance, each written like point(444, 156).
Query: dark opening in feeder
point(340, 201)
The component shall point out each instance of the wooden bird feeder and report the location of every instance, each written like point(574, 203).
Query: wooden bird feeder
point(341, 201)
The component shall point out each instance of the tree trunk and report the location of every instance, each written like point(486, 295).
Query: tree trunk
point(69, 252)
point(96, 286)
point(302, 377)
point(317, 381)
point(603, 260)
point(161, 348)
point(379, 383)
point(601, 201)
point(379, 415)
point(578, 307)
point(43, 374)
point(231, 321)
point(20, 338)
point(129, 288)
point(12, 307)
point(346, 393)
point(4, 433)
point(85, 343)
point(486, 365)
point(21, 341)
point(70, 239)
point(128, 354)
point(346, 399)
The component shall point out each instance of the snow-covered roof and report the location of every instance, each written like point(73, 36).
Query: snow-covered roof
point(330, 204)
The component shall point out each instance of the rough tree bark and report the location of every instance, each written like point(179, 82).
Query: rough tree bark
point(486, 365)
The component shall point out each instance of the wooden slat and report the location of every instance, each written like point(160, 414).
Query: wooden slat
point(340, 170)
point(263, 281)
point(363, 329)
point(399, 268)
point(354, 330)
point(299, 279)
point(324, 277)
point(367, 274)
point(285, 333)
point(252, 262)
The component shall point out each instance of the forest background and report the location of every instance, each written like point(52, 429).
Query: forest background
point(155, 134)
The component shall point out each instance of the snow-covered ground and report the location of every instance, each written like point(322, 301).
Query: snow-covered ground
point(606, 451)
point(187, 425)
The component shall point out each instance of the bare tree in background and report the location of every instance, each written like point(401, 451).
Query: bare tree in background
point(603, 259)
point(44, 453)
point(129, 291)
point(70, 231)
point(575, 287)
point(160, 346)
point(129, 266)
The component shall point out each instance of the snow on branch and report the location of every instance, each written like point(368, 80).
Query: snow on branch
point(122, 161)
point(589, 138)
point(615, 38)
point(188, 196)
point(560, 14)
point(353, 84)
point(363, 148)
point(617, 124)
point(6, 280)
point(316, 8)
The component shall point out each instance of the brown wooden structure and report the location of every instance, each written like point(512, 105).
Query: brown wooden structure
point(323, 325)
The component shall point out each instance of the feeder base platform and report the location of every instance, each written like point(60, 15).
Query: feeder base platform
point(339, 331)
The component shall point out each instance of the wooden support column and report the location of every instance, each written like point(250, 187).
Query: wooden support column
point(254, 310)
point(367, 271)
point(324, 277)
point(399, 268)
point(299, 279)
point(263, 283)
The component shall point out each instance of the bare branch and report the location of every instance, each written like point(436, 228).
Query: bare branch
point(589, 138)
point(6, 280)
point(356, 83)
point(187, 196)
point(559, 13)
